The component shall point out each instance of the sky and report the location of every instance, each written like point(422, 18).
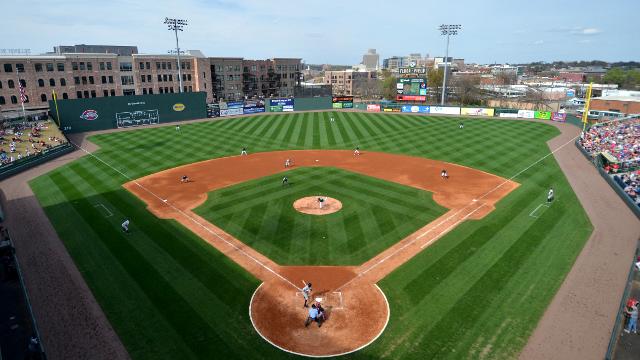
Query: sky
point(338, 32)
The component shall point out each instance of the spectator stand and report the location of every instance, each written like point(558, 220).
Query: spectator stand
point(622, 345)
point(19, 336)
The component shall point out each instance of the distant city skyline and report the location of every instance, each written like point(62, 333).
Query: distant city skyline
point(494, 31)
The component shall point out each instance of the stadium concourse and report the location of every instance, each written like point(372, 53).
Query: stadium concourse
point(73, 325)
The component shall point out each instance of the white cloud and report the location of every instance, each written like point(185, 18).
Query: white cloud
point(585, 31)
point(538, 42)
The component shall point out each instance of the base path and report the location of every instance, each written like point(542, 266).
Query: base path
point(357, 309)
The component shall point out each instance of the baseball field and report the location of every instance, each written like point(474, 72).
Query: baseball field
point(180, 284)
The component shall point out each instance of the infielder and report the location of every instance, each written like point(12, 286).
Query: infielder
point(184, 179)
point(356, 151)
point(444, 174)
point(285, 181)
point(306, 292)
point(125, 225)
point(287, 163)
point(550, 196)
point(244, 151)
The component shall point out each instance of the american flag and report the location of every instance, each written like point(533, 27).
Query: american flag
point(23, 95)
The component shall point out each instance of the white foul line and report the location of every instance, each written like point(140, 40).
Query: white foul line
point(188, 217)
point(109, 213)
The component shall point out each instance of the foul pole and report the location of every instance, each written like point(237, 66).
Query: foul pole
point(585, 114)
point(55, 102)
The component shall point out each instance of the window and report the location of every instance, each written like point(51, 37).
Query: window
point(65, 95)
point(110, 79)
point(84, 80)
point(11, 84)
point(157, 65)
point(171, 89)
point(8, 68)
point(182, 65)
point(185, 89)
point(109, 65)
point(141, 65)
point(49, 66)
point(20, 68)
point(74, 65)
point(112, 92)
point(189, 67)
point(76, 80)
point(151, 91)
point(2, 102)
point(38, 67)
point(169, 65)
point(60, 66)
point(103, 79)
point(0, 84)
point(144, 90)
point(148, 65)
point(148, 78)
point(159, 77)
point(161, 91)
point(170, 77)
point(204, 75)
point(188, 77)
point(79, 94)
point(126, 80)
point(166, 90)
point(63, 82)
point(190, 89)
point(23, 82)
point(85, 94)
point(90, 79)
point(164, 77)
point(184, 77)
point(93, 93)
point(105, 93)
point(43, 97)
point(254, 68)
point(126, 66)
point(82, 67)
point(90, 67)
point(164, 65)
point(143, 78)
point(52, 82)
point(101, 65)
point(14, 99)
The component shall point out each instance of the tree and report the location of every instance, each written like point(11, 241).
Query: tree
point(434, 82)
point(614, 76)
point(368, 88)
point(467, 89)
point(389, 87)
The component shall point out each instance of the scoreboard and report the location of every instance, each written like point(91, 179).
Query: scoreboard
point(411, 89)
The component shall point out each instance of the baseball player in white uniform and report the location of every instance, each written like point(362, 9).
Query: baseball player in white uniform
point(306, 293)
point(125, 225)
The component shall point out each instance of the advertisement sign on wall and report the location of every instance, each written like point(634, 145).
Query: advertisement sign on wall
point(476, 111)
point(526, 114)
point(542, 115)
point(415, 109)
point(444, 110)
point(278, 105)
point(508, 115)
point(571, 93)
point(559, 117)
point(390, 109)
point(253, 107)
point(373, 108)
point(342, 102)
point(231, 108)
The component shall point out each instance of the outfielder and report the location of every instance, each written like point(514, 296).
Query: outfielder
point(285, 181)
point(550, 196)
point(356, 151)
point(125, 225)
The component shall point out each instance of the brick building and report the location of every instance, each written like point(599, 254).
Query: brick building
point(345, 82)
point(621, 104)
point(88, 75)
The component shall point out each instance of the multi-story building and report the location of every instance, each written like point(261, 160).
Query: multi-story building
point(97, 49)
point(371, 60)
point(88, 75)
point(345, 82)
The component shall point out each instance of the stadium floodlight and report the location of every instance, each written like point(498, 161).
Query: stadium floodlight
point(447, 30)
point(176, 25)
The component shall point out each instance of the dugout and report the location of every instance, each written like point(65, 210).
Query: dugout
point(80, 115)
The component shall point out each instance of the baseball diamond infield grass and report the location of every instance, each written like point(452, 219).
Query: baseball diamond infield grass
point(478, 292)
point(375, 215)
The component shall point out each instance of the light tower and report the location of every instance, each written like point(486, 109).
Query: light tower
point(447, 30)
point(176, 25)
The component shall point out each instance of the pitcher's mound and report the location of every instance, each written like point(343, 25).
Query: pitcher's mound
point(310, 205)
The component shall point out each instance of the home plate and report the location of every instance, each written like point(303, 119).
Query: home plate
point(317, 160)
point(318, 299)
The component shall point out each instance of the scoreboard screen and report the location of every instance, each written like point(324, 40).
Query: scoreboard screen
point(411, 89)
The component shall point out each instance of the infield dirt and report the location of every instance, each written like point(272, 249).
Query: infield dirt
point(358, 310)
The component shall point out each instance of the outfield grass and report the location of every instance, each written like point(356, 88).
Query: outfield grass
point(375, 215)
point(478, 292)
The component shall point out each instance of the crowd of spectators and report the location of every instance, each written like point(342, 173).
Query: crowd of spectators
point(630, 183)
point(25, 139)
point(620, 139)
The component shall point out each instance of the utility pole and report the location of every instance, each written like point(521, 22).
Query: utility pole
point(447, 30)
point(176, 25)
